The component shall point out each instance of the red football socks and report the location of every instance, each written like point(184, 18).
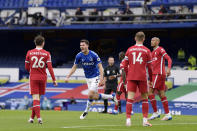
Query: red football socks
point(145, 108)
point(116, 107)
point(32, 114)
point(153, 102)
point(129, 108)
point(36, 108)
point(165, 104)
point(118, 98)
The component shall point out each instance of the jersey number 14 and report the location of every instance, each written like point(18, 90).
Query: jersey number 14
point(137, 58)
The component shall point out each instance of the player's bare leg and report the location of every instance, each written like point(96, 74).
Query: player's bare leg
point(115, 111)
point(129, 104)
point(145, 109)
point(153, 102)
point(36, 109)
point(165, 105)
point(92, 95)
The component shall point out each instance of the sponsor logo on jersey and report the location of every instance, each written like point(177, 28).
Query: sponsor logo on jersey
point(87, 63)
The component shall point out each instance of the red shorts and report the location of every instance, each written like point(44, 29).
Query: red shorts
point(121, 87)
point(37, 87)
point(159, 82)
point(132, 86)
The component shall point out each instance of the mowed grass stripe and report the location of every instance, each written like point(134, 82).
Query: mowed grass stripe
point(56, 120)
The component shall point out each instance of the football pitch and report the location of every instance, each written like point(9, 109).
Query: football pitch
point(69, 121)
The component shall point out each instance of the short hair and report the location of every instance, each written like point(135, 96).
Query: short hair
point(140, 36)
point(39, 40)
point(157, 38)
point(122, 54)
point(110, 57)
point(85, 41)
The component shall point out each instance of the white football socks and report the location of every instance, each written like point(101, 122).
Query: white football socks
point(88, 105)
point(106, 96)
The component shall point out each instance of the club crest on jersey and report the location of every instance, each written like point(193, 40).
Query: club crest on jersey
point(108, 72)
point(113, 71)
point(82, 60)
point(91, 59)
point(154, 58)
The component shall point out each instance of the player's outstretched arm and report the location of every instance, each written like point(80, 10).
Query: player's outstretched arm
point(118, 73)
point(123, 76)
point(104, 81)
point(150, 68)
point(124, 69)
point(73, 69)
point(101, 71)
point(50, 68)
point(167, 57)
point(27, 66)
point(150, 71)
point(27, 63)
point(126, 61)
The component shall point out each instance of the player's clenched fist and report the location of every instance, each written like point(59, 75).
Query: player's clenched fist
point(101, 83)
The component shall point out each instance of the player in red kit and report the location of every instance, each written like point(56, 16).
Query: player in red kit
point(36, 61)
point(159, 56)
point(122, 84)
point(137, 59)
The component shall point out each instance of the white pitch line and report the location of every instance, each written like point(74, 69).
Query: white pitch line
point(90, 127)
point(106, 129)
point(175, 124)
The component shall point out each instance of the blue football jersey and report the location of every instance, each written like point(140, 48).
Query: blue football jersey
point(89, 63)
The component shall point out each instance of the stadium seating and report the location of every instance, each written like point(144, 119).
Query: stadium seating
point(16, 4)
point(62, 5)
point(174, 2)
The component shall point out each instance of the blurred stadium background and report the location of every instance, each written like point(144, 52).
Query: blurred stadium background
point(110, 26)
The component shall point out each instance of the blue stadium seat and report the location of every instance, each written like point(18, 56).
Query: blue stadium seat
point(79, 3)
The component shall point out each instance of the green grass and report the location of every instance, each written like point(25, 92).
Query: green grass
point(56, 120)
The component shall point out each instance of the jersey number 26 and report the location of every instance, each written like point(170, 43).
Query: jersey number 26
point(38, 63)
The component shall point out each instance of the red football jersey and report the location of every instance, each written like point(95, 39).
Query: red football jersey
point(122, 67)
point(35, 63)
point(138, 58)
point(159, 55)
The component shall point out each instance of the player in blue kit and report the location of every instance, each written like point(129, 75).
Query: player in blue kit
point(93, 71)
